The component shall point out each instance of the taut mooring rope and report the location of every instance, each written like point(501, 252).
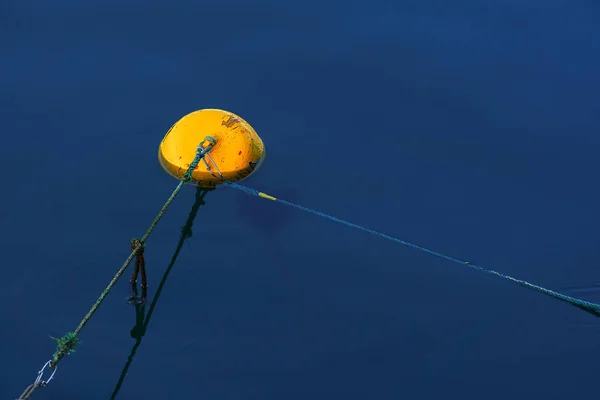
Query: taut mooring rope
point(68, 342)
point(585, 305)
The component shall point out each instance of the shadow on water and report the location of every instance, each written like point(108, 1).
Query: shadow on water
point(141, 319)
point(254, 210)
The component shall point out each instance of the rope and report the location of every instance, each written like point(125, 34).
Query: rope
point(29, 391)
point(66, 344)
point(140, 263)
point(142, 326)
point(584, 305)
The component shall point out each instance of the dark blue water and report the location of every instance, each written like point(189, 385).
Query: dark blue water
point(470, 127)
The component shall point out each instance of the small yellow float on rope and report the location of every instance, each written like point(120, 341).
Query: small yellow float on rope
point(237, 153)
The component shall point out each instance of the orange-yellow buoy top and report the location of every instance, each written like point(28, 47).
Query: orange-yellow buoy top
point(238, 151)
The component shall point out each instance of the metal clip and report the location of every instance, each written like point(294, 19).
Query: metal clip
point(39, 380)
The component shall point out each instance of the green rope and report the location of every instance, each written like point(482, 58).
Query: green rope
point(142, 326)
point(66, 344)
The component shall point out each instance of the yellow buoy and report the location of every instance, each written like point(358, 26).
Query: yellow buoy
point(237, 153)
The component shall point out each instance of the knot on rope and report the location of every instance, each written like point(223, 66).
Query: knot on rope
point(65, 346)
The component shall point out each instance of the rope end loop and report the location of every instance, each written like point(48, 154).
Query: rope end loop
point(204, 147)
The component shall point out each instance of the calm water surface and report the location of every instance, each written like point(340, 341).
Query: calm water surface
point(470, 127)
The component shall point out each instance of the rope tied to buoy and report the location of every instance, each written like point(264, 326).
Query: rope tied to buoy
point(67, 343)
point(590, 307)
point(237, 163)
